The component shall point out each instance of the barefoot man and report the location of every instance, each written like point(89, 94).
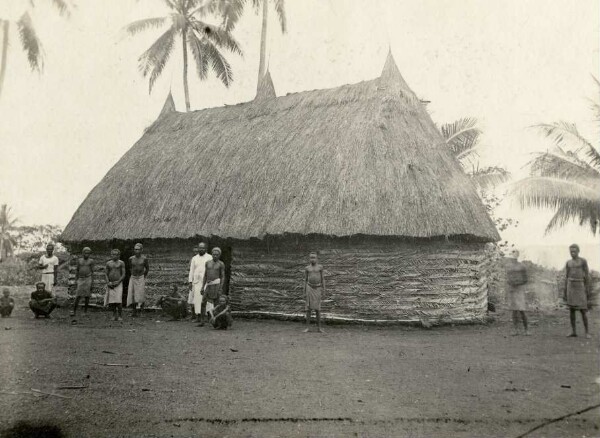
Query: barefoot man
point(314, 284)
point(115, 274)
point(212, 284)
point(577, 290)
point(136, 293)
point(48, 263)
point(196, 278)
point(84, 278)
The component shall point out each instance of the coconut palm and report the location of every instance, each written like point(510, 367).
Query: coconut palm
point(204, 40)
point(566, 178)
point(462, 137)
point(30, 42)
point(7, 241)
point(232, 10)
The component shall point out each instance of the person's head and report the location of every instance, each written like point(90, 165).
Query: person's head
point(137, 249)
point(514, 254)
point(49, 249)
point(86, 252)
point(115, 254)
point(40, 286)
point(222, 299)
point(574, 250)
point(313, 258)
point(5, 292)
point(216, 253)
point(202, 248)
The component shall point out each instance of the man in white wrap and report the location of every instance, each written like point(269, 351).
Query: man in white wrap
point(48, 263)
point(197, 270)
point(136, 292)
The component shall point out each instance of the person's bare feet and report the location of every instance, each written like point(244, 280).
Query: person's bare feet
point(588, 336)
point(320, 330)
point(515, 333)
point(572, 335)
point(306, 330)
point(527, 333)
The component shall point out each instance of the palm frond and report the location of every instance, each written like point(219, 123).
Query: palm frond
point(570, 199)
point(219, 36)
point(280, 10)
point(147, 23)
point(489, 177)
point(560, 164)
point(219, 64)
point(197, 48)
point(63, 7)
point(228, 11)
point(30, 42)
point(462, 136)
point(566, 136)
point(154, 59)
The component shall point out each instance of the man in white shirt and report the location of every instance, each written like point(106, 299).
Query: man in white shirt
point(197, 268)
point(48, 263)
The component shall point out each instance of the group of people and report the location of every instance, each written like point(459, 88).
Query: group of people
point(206, 279)
point(576, 291)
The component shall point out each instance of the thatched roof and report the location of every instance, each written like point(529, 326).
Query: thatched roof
point(357, 159)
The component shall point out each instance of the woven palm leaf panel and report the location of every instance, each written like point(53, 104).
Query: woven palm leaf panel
point(395, 282)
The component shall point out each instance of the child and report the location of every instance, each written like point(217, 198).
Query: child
point(577, 290)
point(516, 278)
point(114, 274)
point(174, 304)
point(84, 277)
point(48, 263)
point(222, 315)
point(314, 285)
point(7, 304)
point(212, 284)
point(42, 302)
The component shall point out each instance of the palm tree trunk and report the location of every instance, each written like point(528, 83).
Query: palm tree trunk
point(262, 67)
point(186, 90)
point(4, 24)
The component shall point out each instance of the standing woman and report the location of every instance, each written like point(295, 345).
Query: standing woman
point(516, 278)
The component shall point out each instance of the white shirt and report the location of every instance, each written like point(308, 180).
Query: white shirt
point(50, 261)
point(198, 267)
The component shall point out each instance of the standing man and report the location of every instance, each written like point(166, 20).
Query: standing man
point(84, 279)
point(139, 265)
point(516, 279)
point(48, 263)
point(114, 275)
point(196, 278)
point(314, 284)
point(212, 284)
point(577, 290)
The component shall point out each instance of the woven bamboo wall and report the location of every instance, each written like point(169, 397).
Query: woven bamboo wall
point(381, 281)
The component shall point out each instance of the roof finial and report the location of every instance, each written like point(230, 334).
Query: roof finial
point(169, 106)
point(390, 72)
point(266, 89)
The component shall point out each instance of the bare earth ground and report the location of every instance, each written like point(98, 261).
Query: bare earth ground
point(267, 379)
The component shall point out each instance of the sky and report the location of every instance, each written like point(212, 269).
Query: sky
point(509, 63)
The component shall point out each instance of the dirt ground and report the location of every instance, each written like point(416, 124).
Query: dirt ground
point(267, 379)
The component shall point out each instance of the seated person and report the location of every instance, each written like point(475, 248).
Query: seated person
point(42, 302)
point(7, 304)
point(174, 304)
point(222, 315)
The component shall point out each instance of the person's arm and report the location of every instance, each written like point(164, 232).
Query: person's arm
point(146, 266)
point(92, 271)
point(191, 275)
point(225, 310)
point(56, 273)
point(204, 276)
point(566, 281)
point(123, 271)
point(322, 279)
point(221, 275)
point(305, 279)
point(106, 268)
point(41, 264)
point(586, 280)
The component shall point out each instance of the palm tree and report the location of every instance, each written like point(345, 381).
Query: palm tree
point(232, 10)
point(204, 40)
point(566, 178)
point(29, 40)
point(462, 137)
point(7, 241)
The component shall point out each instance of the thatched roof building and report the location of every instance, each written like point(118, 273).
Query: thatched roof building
point(356, 160)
